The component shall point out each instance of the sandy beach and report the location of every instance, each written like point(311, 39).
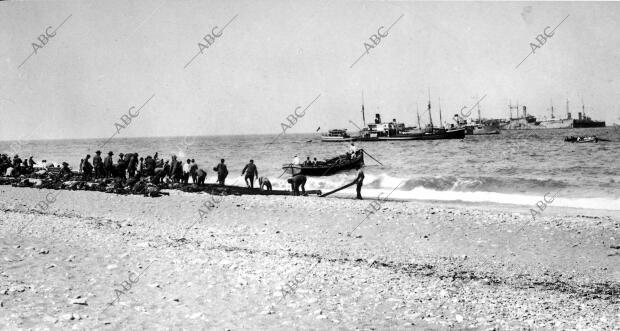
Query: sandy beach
point(411, 265)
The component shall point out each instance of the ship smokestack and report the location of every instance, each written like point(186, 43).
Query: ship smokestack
point(377, 118)
point(579, 115)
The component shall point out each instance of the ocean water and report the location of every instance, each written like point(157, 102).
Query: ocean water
point(515, 167)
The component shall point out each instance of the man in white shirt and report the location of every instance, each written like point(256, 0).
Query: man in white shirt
point(352, 150)
point(296, 160)
point(186, 168)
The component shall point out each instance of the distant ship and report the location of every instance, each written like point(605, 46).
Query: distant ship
point(477, 127)
point(525, 121)
point(337, 135)
point(398, 131)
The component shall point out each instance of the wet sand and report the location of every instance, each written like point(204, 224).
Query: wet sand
point(411, 265)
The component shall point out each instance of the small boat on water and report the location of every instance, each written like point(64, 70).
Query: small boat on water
point(337, 135)
point(585, 139)
point(327, 167)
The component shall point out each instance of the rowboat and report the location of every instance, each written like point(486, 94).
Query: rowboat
point(327, 167)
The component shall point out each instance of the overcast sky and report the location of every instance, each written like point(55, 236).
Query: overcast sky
point(275, 56)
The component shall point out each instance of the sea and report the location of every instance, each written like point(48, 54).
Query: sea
point(515, 167)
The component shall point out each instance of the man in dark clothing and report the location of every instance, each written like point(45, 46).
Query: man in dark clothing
point(17, 162)
point(121, 166)
point(296, 182)
point(222, 172)
point(250, 172)
point(202, 175)
point(87, 168)
point(149, 166)
point(173, 169)
point(192, 171)
point(166, 169)
point(98, 164)
point(108, 165)
point(360, 181)
point(133, 165)
point(141, 169)
point(65, 172)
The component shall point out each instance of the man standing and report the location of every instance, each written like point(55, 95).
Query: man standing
point(296, 182)
point(296, 160)
point(31, 163)
point(222, 172)
point(132, 167)
point(98, 164)
point(250, 172)
point(121, 166)
point(87, 168)
point(359, 180)
point(186, 168)
point(107, 164)
point(192, 171)
point(149, 166)
point(201, 175)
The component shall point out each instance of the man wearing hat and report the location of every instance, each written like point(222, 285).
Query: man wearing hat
point(98, 164)
point(121, 166)
point(65, 171)
point(107, 164)
point(87, 168)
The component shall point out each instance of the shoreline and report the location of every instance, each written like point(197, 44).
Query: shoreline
point(409, 265)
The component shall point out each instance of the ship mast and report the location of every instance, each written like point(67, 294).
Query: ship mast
point(583, 108)
point(417, 111)
point(363, 115)
point(479, 117)
point(440, 119)
point(552, 117)
point(567, 111)
point(429, 107)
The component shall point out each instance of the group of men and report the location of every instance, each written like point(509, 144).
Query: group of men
point(16, 165)
point(131, 165)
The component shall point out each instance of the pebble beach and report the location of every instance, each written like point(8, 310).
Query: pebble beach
point(101, 261)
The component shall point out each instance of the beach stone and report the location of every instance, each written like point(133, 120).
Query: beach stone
point(79, 301)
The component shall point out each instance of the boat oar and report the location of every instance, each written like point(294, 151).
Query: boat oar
point(283, 173)
point(338, 189)
point(372, 157)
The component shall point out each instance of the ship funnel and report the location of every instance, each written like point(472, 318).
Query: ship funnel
point(377, 118)
point(524, 111)
point(579, 115)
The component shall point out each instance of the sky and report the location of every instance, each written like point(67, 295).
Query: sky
point(276, 56)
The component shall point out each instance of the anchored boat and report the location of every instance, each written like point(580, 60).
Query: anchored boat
point(337, 135)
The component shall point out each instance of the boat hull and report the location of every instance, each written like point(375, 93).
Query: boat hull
point(336, 139)
point(328, 169)
point(450, 134)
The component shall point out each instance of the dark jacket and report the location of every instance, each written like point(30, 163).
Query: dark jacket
point(251, 170)
point(97, 162)
point(87, 167)
point(221, 169)
point(107, 163)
